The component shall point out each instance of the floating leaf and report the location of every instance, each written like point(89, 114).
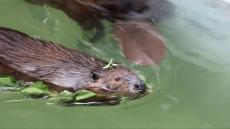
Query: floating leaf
point(84, 94)
point(7, 81)
point(37, 89)
point(69, 97)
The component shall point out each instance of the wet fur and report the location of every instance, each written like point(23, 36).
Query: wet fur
point(88, 12)
point(33, 59)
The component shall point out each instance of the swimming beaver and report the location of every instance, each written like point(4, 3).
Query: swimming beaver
point(131, 23)
point(61, 68)
point(85, 11)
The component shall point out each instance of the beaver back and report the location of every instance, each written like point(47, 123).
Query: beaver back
point(46, 61)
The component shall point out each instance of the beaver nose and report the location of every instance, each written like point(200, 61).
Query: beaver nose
point(141, 87)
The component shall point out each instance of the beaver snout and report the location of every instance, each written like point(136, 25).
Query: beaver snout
point(140, 87)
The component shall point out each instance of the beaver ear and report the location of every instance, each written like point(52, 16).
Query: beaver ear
point(93, 77)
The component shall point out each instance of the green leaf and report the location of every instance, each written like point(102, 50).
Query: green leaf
point(7, 81)
point(62, 97)
point(66, 93)
point(66, 96)
point(32, 91)
point(84, 94)
point(40, 85)
point(38, 88)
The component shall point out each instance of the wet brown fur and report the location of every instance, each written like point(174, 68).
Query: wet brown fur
point(32, 59)
point(89, 12)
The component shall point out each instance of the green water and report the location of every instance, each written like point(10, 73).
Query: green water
point(192, 84)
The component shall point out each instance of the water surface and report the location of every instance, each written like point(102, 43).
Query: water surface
point(191, 85)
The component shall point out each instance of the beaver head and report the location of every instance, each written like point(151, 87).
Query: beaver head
point(118, 82)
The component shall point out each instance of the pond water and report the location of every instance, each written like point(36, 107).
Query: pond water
point(191, 86)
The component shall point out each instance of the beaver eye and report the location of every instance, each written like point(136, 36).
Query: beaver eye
point(94, 77)
point(117, 79)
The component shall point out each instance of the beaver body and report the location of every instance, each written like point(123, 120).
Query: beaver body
point(87, 11)
point(32, 59)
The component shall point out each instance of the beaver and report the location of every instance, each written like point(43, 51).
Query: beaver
point(130, 36)
point(138, 10)
point(133, 22)
point(32, 59)
point(86, 11)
